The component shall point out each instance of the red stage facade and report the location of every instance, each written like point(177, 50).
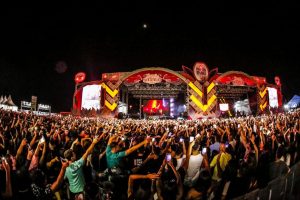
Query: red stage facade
point(198, 91)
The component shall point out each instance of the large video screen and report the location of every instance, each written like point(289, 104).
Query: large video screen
point(273, 98)
point(91, 95)
point(224, 106)
point(156, 107)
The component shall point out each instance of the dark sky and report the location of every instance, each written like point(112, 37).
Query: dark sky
point(259, 40)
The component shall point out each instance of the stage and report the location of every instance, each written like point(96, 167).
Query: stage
point(161, 92)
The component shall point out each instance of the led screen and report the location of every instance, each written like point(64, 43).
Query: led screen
point(223, 106)
point(273, 99)
point(91, 97)
point(156, 107)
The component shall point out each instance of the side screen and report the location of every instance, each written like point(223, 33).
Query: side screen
point(91, 97)
point(273, 98)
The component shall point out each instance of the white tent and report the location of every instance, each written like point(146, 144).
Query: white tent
point(7, 103)
point(4, 100)
point(294, 102)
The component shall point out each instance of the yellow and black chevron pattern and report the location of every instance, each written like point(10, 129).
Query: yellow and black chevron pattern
point(111, 95)
point(197, 95)
point(262, 100)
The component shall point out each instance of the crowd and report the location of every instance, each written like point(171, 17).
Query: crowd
point(91, 158)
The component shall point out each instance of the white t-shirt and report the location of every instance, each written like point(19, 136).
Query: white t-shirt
point(180, 161)
point(195, 163)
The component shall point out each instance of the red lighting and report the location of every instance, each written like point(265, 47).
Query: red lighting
point(260, 80)
point(154, 107)
point(79, 77)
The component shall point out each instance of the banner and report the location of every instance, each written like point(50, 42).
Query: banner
point(273, 98)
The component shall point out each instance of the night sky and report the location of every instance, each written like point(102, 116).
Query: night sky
point(41, 50)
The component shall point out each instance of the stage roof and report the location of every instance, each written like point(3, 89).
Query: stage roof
point(294, 102)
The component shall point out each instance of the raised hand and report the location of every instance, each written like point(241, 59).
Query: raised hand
point(148, 139)
point(5, 165)
point(96, 139)
point(152, 176)
point(273, 137)
point(24, 142)
point(64, 164)
point(56, 159)
point(151, 156)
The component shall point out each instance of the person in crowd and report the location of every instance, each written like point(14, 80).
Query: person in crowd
point(143, 159)
point(74, 172)
point(195, 160)
point(113, 153)
point(40, 188)
point(199, 191)
point(169, 184)
point(215, 146)
point(218, 164)
point(279, 166)
point(7, 194)
point(180, 155)
point(140, 192)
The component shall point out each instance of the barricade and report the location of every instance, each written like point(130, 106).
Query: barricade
point(283, 187)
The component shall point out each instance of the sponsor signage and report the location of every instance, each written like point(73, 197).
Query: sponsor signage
point(152, 78)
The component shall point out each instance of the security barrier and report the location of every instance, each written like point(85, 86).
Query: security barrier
point(283, 187)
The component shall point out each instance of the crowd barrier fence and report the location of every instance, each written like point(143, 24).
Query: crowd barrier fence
point(283, 187)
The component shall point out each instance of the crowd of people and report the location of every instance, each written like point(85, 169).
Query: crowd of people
point(65, 157)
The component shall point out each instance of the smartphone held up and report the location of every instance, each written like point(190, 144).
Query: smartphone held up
point(204, 150)
point(42, 140)
point(192, 138)
point(168, 157)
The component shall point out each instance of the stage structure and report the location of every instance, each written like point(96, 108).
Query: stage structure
point(161, 92)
